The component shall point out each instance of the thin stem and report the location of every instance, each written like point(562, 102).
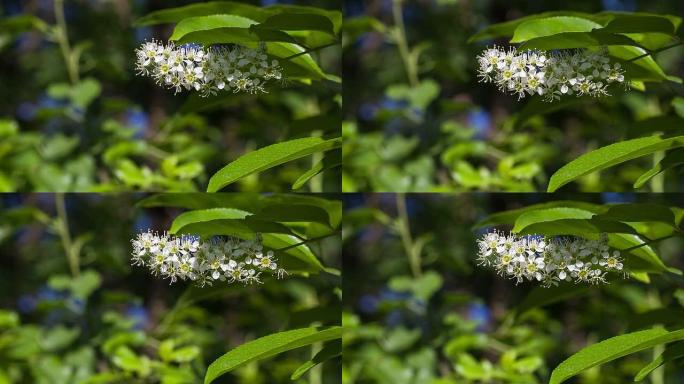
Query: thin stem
point(311, 240)
point(400, 35)
point(653, 52)
point(404, 229)
point(65, 236)
point(63, 40)
point(309, 50)
point(316, 182)
point(658, 181)
point(645, 243)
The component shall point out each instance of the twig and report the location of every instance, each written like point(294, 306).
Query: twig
point(309, 50)
point(653, 52)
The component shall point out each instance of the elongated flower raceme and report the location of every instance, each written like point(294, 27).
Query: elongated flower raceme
point(208, 71)
point(187, 258)
point(549, 74)
point(549, 260)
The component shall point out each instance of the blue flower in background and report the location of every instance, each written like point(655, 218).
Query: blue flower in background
point(46, 293)
point(77, 305)
point(266, 3)
point(142, 223)
point(480, 314)
point(139, 314)
point(394, 318)
point(138, 119)
point(481, 120)
point(367, 111)
point(12, 7)
point(27, 303)
point(612, 197)
point(26, 111)
point(143, 34)
point(368, 304)
point(619, 5)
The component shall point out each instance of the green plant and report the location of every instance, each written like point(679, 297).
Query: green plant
point(103, 321)
point(431, 314)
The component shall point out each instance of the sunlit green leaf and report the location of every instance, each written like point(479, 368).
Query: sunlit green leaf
point(269, 346)
point(609, 156)
point(611, 349)
point(268, 157)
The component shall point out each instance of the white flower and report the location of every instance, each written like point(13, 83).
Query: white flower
point(203, 262)
point(235, 68)
point(549, 261)
point(550, 74)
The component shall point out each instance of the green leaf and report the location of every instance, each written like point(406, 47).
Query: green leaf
point(419, 96)
point(609, 156)
point(8, 319)
point(250, 202)
point(509, 217)
point(331, 160)
point(334, 15)
point(354, 27)
point(220, 29)
point(58, 338)
point(624, 241)
point(268, 157)
point(168, 352)
point(299, 22)
point(571, 40)
point(269, 346)
point(645, 68)
point(296, 63)
point(21, 23)
point(549, 26)
point(423, 287)
point(672, 352)
point(677, 104)
point(602, 18)
point(224, 29)
point(587, 228)
point(191, 217)
point(293, 213)
point(508, 28)
point(612, 349)
point(271, 238)
point(205, 23)
point(672, 159)
point(637, 212)
point(551, 214)
point(174, 15)
point(332, 207)
point(640, 24)
point(329, 351)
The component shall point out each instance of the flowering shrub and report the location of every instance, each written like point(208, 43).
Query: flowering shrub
point(74, 310)
point(84, 122)
point(431, 109)
point(186, 258)
point(551, 75)
point(430, 314)
point(237, 68)
point(549, 261)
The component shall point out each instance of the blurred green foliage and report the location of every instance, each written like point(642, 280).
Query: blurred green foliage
point(416, 118)
point(108, 322)
point(418, 309)
point(75, 117)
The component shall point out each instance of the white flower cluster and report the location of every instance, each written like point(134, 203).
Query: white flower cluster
point(549, 261)
point(208, 71)
point(550, 74)
point(203, 262)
